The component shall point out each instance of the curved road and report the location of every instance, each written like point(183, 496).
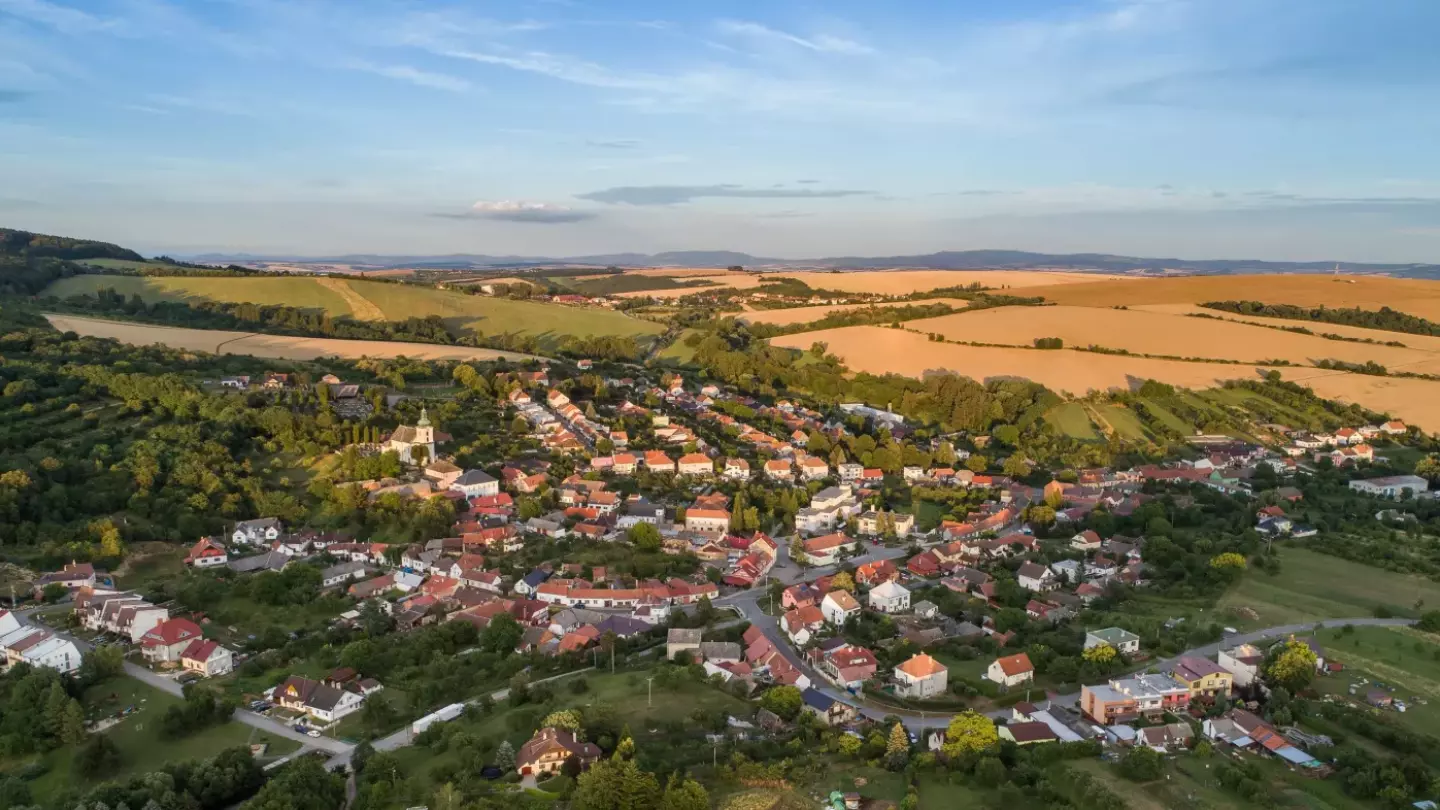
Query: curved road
point(748, 604)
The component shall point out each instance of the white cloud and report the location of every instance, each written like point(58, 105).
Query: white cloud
point(62, 18)
point(539, 213)
point(422, 78)
point(821, 43)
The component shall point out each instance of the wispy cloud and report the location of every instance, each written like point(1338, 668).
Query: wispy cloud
point(537, 213)
point(820, 43)
point(62, 18)
point(206, 105)
point(672, 195)
point(618, 144)
point(406, 73)
point(12, 96)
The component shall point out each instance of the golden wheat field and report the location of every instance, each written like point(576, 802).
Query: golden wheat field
point(881, 350)
point(1168, 333)
point(895, 282)
point(1415, 296)
point(794, 315)
point(282, 347)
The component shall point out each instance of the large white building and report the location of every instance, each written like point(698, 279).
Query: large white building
point(1391, 486)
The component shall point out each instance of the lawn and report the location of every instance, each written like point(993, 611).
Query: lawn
point(236, 618)
point(936, 792)
point(150, 564)
point(1402, 658)
point(1072, 420)
point(142, 749)
point(1314, 586)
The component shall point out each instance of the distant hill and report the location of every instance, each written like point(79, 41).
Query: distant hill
point(39, 245)
point(944, 260)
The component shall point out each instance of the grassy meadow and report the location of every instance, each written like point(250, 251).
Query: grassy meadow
point(1312, 586)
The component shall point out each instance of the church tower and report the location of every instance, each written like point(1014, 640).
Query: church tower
point(424, 432)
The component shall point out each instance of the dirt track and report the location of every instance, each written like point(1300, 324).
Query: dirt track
point(360, 306)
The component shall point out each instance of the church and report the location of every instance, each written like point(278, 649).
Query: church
point(415, 445)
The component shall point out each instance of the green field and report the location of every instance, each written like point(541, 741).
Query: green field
point(1126, 423)
point(294, 292)
point(122, 264)
point(142, 748)
point(677, 353)
point(374, 300)
point(1072, 420)
point(1314, 586)
point(1402, 658)
point(1168, 419)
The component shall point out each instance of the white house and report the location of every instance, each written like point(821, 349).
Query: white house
point(207, 658)
point(921, 677)
point(1036, 577)
point(889, 597)
point(1243, 662)
point(737, 469)
point(476, 484)
point(1122, 640)
point(341, 573)
point(825, 550)
point(259, 530)
point(1011, 670)
point(838, 607)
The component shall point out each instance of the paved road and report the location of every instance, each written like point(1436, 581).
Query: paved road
point(403, 737)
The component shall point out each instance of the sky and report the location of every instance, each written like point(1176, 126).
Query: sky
point(1274, 129)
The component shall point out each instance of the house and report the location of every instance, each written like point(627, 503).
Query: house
point(826, 550)
point(696, 464)
point(871, 574)
point(341, 573)
point(476, 484)
point(736, 469)
point(1026, 733)
point(1087, 540)
point(1393, 428)
point(1163, 739)
point(920, 677)
point(883, 523)
point(889, 597)
point(925, 609)
point(207, 658)
point(779, 470)
point(847, 665)
point(850, 471)
point(1391, 486)
point(164, 642)
point(258, 531)
point(839, 607)
point(1124, 641)
point(658, 462)
point(720, 652)
point(1203, 677)
point(1125, 700)
point(1242, 662)
point(441, 474)
point(681, 639)
point(1036, 577)
point(74, 576)
point(206, 553)
point(830, 711)
point(529, 583)
point(813, 468)
point(707, 520)
point(802, 623)
point(1011, 670)
point(1243, 730)
point(547, 752)
point(323, 702)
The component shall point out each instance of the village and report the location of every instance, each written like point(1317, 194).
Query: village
point(839, 586)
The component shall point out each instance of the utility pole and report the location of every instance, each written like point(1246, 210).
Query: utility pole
point(650, 692)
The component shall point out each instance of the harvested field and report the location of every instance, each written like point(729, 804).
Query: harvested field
point(359, 304)
point(277, 346)
point(903, 282)
point(1160, 333)
point(303, 292)
point(504, 280)
point(879, 350)
point(682, 272)
point(794, 315)
point(1421, 342)
point(1415, 401)
point(1417, 297)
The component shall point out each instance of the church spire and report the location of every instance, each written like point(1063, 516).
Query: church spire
point(424, 418)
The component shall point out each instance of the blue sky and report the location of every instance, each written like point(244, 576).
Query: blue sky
point(1286, 129)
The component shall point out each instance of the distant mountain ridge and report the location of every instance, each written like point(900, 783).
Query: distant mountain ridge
point(943, 260)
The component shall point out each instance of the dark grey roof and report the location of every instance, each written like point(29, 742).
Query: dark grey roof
point(474, 477)
point(536, 577)
point(816, 699)
point(269, 561)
